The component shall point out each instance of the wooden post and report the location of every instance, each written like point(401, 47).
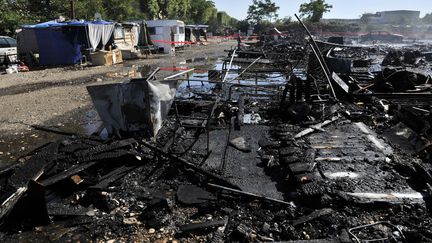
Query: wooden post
point(72, 6)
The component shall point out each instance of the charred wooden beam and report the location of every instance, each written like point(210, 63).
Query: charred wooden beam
point(67, 173)
point(190, 165)
point(249, 194)
point(112, 176)
point(106, 147)
point(204, 225)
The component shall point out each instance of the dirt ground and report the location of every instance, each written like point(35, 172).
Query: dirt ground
point(57, 97)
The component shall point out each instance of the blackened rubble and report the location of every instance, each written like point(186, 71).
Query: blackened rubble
point(288, 149)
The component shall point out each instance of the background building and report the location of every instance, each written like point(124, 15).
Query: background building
point(397, 17)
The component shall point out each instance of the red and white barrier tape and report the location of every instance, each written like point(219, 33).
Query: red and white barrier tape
point(172, 42)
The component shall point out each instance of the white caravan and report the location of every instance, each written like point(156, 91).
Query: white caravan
point(160, 32)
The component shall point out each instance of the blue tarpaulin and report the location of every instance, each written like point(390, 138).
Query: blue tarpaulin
point(54, 23)
point(60, 43)
point(56, 48)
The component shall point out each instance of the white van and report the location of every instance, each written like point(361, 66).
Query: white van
point(159, 29)
point(8, 49)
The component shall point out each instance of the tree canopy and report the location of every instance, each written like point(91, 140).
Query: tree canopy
point(314, 10)
point(427, 19)
point(17, 12)
point(262, 10)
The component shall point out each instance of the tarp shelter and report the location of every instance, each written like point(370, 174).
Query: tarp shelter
point(126, 35)
point(145, 39)
point(196, 33)
point(133, 39)
point(61, 43)
point(27, 42)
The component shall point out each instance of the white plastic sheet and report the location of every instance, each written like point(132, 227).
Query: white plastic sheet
point(95, 35)
point(136, 33)
point(107, 31)
point(98, 33)
point(162, 95)
point(118, 32)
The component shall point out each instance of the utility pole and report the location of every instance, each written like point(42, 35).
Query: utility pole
point(72, 6)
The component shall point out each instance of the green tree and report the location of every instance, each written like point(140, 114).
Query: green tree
point(314, 10)
point(17, 12)
point(243, 25)
point(427, 19)
point(173, 9)
point(191, 11)
point(13, 14)
point(150, 8)
point(284, 21)
point(178, 9)
point(122, 10)
point(87, 9)
point(202, 11)
point(41, 9)
point(262, 9)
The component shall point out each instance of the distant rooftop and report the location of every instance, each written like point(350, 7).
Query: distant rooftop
point(383, 17)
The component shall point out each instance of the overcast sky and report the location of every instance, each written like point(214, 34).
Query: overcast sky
point(341, 8)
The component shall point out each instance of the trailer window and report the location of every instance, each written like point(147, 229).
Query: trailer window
point(181, 30)
point(152, 30)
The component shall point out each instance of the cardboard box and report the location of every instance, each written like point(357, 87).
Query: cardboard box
point(106, 58)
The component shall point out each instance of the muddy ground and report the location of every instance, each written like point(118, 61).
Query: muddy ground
point(57, 97)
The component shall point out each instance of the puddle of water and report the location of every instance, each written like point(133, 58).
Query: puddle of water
point(202, 60)
point(15, 145)
point(132, 72)
point(219, 66)
point(194, 90)
point(89, 124)
point(198, 86)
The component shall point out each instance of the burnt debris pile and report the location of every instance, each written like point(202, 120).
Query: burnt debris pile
point(288, 140)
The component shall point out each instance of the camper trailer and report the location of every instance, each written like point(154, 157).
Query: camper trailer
point(164, 31)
